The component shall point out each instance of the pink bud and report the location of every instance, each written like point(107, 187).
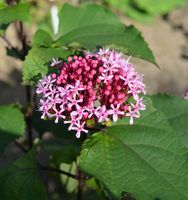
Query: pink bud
point(79, 71)
point(87, 68)
point(69, 59)
point(54, 75)
point(116, 77)
point(107, 92)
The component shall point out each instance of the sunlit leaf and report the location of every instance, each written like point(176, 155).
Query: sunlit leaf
point(176, 111)
point(91, 26)
point(146, 160)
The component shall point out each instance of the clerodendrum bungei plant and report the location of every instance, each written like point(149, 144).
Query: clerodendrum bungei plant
point(94, 87)
point(106, 138)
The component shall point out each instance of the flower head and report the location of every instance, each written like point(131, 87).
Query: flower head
point(102, 86)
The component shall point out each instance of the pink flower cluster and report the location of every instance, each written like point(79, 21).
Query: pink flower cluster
point(97, 87)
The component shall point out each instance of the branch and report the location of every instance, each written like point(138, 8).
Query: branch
point(51, 169)
point(23, 38)
point(23, 149)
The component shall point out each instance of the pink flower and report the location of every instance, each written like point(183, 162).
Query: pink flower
point(53, 100)
point(79, 112)
point(76, 88)
point(91, 110)
point(102, 114)
point(51, 92)
point(115, 112)
point(132, 114)
point(44, 104)
point(73, 101)
point(58, 114)
point(105, 77)
point(41, 89)
point(72, 122)
point(79, 128)
point(55, 62)
point(103, 86)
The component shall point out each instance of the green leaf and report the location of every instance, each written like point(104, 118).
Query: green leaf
point(129, 8)
point(91, 26)
point(159, 6)
point(42, 38)
point(72, 18)
point(36, 62)
point(3, 28)
point(176, 111)
point(146, 159)
point(11, 125)
point(10, 14)
point(145, 10)
point(20, 180)
point(46, 24)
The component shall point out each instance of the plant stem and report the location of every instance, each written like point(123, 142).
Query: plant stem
point(23, 38)
point(51, 169)
point(11, 47)
point(28, 116)
point(81, 180)
point(29, 101)
point(7, 41)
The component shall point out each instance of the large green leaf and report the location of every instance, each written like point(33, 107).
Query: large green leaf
point(20, 180)
point(176, 111)
point(10, 14)
point(91, 26)
point(36, 62)
point(85, 16)
point(146, 159)
point(11, 125)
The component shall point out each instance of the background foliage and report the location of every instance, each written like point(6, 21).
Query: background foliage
point(145, 10)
